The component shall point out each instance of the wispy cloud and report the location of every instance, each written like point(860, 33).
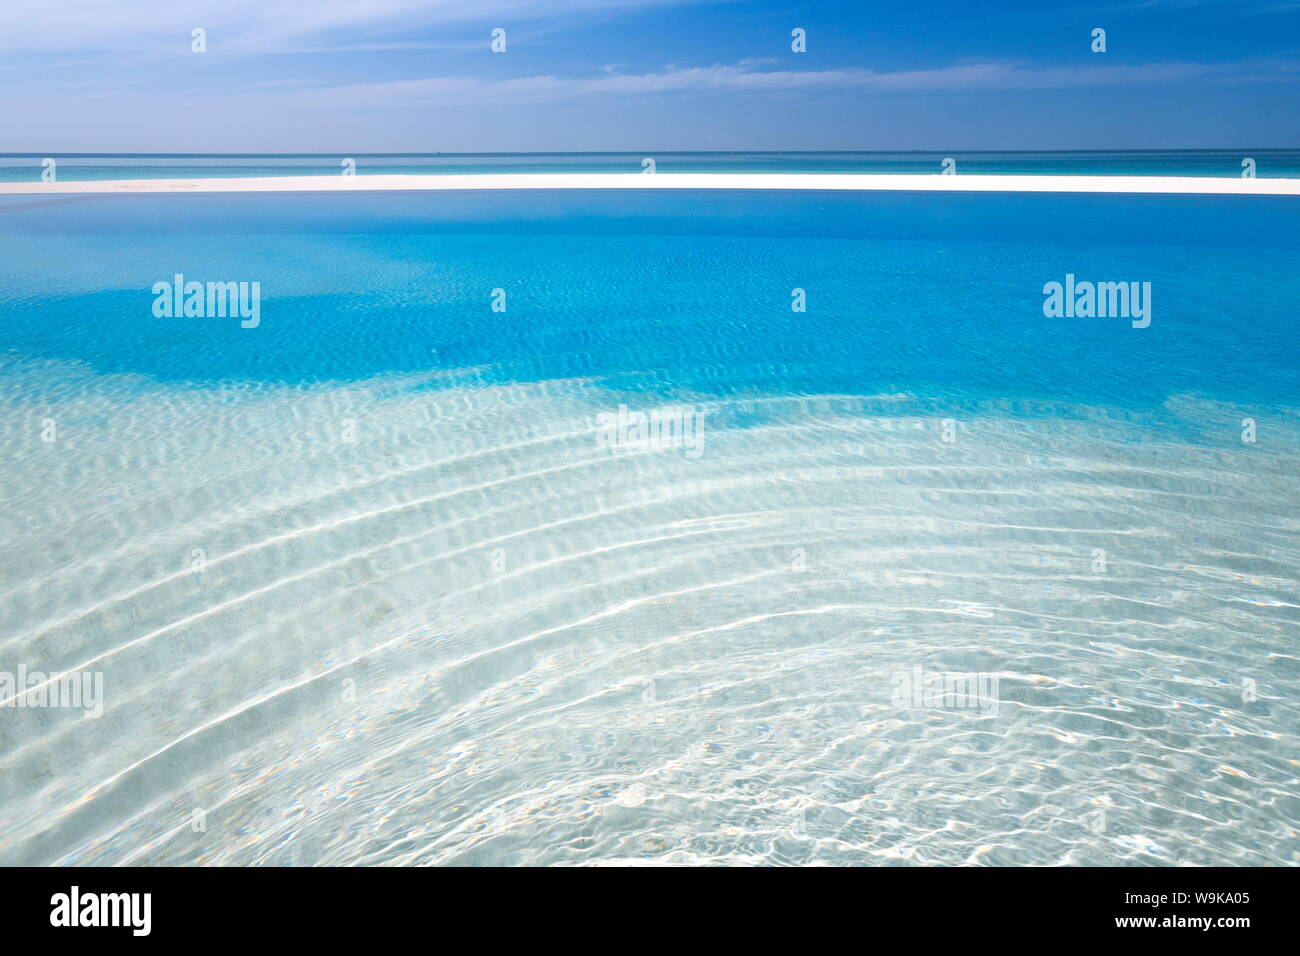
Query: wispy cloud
point(417, 74)
point(748, 77)
point(260, 26)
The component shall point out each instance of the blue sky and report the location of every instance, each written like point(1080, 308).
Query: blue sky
point(358, 76)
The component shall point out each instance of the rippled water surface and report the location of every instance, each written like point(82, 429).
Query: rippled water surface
point(368, 584)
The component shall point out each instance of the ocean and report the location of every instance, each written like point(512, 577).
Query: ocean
point(79, 167)
point(585, 527)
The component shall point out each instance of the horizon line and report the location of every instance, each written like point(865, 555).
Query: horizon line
point(679, 152)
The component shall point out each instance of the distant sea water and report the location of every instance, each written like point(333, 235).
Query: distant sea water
point(913, 569)
point(74, 167)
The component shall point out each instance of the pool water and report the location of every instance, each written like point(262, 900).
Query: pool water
point(378, 581)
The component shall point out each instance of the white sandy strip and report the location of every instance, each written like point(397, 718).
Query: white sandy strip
point(856, 181)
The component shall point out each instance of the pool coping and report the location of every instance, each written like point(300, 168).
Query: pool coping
point(886, 182)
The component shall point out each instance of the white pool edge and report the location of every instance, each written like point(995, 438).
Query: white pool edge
point(884, 182)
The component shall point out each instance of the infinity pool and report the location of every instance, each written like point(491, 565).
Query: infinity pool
point(908, 571)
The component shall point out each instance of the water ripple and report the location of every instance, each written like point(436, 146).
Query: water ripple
point(471, 634)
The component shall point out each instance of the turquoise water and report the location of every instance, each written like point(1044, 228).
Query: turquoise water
point(370, 583)
point(82, 167)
